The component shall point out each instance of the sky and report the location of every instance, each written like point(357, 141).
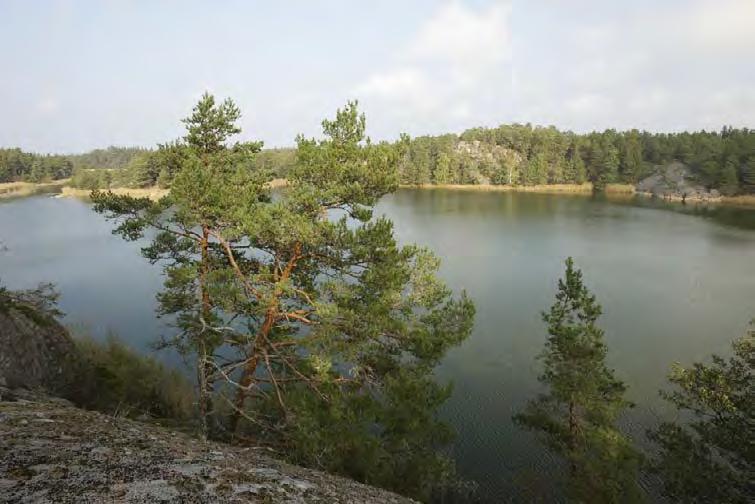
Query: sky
point(77, 75)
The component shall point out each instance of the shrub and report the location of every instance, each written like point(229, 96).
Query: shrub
point(116, 379)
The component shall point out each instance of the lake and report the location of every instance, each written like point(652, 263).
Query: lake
point(676, 284)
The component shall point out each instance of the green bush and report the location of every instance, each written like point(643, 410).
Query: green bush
point(117, 380)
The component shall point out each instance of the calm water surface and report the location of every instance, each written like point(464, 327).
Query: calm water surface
point(676, 284)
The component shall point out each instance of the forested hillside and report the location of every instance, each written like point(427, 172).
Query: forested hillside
point(525, 155)
point(16, 165)
point(512, 154)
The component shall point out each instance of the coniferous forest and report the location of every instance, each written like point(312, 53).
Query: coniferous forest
point(312, 331)
point(448, 252)
point(518, 155)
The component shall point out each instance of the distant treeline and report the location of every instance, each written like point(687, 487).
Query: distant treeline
point(16, 165)
point(512, 154)
point(525, 155)
point(112, 158)
point(146, 168)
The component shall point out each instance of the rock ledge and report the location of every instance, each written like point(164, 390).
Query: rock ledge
point(51, 451)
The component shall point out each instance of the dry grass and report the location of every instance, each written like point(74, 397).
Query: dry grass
point(545, 189)
point(620, 189)
point(18, 189)
point(277, 183)
point(743, 200)
point(153, 193)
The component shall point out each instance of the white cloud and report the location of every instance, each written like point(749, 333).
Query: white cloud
point(670, 67)
point(464, 38)
point(455, 68)
point(46, 106)
point(722, 25)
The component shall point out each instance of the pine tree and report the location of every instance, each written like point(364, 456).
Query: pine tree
point(163, 179)
point(710, 458)
point(442, 173)
point(729, 181)
point(576, 416)
point(748, 175)
point(329, 330)
point(632, 166)
point(211, 175)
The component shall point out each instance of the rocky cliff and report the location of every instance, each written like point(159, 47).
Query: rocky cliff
point(53, 452)
point(35, 350)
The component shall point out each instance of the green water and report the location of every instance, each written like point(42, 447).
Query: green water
point(676, 284)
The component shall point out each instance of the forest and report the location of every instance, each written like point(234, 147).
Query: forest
point(312, 331)
point(315, 333)
point(514, 154)
point(525, 155)
point(16, 165)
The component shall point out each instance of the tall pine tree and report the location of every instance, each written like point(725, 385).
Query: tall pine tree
point(319, 329)
point(576, 416)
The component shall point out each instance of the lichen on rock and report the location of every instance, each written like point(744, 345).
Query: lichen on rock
point(51, 451)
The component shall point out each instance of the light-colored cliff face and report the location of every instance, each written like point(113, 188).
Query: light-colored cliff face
point(53, 452)
point(676, 181)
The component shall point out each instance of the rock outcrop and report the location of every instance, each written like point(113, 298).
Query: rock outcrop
point(35, 350)
point(483, 153)
point(676, 181)
point(52, 452)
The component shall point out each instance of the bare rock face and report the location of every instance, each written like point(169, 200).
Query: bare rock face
point(485, 153)
point(35, 350)
point(52, 452)
point(675, 181)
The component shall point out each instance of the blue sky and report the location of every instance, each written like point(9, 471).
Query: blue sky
point(83, 74)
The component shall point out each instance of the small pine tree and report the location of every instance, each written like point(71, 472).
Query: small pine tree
point(576, 417)
point(710, 458)
point(748, 175)
point(729, 182)
point(163, 180)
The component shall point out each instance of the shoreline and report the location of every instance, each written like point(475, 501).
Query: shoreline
point(153, 193)
point(620, 190)
point(9, 190)
point(586, 188)
point(21, 189)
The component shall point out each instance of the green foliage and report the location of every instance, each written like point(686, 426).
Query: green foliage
point(39, 304)
point(329, 329)
point(115, 379)
point(16, 165)
point(576, 417)
point(550, 156)
point(83, 178)
point(709, 459)
point(729, 181)
point(748, 175)
point(111, 158)
point(276, 161)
